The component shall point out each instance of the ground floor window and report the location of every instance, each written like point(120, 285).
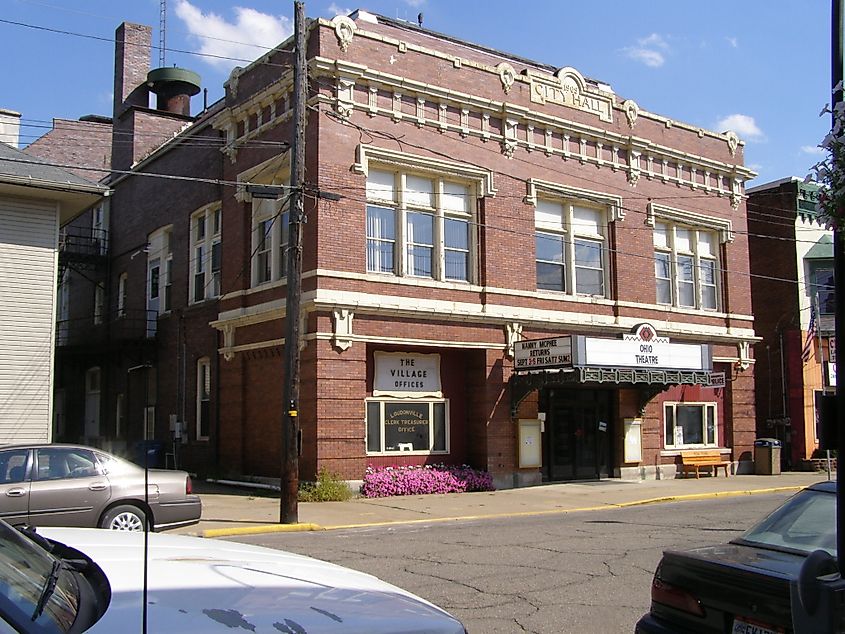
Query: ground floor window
point(395, 426)
point(690, 425)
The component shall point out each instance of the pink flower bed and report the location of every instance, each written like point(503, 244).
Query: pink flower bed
point(382, 482)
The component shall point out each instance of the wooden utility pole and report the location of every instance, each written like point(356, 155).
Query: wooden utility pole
point(288, 509)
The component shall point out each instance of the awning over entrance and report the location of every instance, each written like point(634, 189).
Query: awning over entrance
point(649, 382)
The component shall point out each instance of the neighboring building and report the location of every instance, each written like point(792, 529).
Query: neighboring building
point(792, 284)
point(485, 201)
point(35, 199)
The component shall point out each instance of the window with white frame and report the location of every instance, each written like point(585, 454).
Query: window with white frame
point(99, 302)
point(415, 426)
point(570, 247)
point(686, 266)
point(121, 294)
point(269, 240)
point(159, 270)
point(205, 254)
point(420, 226)
point(689, 425)
point(203, 398)
point(825, 289)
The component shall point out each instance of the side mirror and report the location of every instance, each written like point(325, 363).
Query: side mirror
point(816, 595)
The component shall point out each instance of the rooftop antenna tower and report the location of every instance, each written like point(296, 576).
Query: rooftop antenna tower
point(162, 33)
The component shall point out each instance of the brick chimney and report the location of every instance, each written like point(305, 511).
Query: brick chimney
point(132, 50)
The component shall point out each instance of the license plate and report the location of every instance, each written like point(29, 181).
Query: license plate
point(745, 626)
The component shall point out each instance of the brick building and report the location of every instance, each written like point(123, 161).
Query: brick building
point(524, 271)
point(793, 294)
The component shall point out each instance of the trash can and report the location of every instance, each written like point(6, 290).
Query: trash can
point(767, 456)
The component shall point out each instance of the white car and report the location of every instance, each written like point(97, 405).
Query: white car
point(77, 579)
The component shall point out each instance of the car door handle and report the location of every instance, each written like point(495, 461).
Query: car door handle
point(97, 486)
point(16, 492)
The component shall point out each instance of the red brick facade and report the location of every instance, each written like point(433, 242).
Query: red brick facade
point(390, 98)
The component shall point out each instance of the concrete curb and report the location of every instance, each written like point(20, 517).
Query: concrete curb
point(283, 528)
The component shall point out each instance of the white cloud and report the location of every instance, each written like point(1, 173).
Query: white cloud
point(815, 150)
point(415, 3)
point(648, 50)
point(654, 59)
point(228, 44)
point(334, 10)
point(654, 40)
point(743, 125)
point(734, 42)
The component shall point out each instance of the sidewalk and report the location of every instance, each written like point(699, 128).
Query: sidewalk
point(233, 511)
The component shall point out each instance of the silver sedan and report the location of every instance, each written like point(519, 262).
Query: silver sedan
point(73, 485)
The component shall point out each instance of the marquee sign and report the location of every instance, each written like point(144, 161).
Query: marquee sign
point(543, 354)
point(642, 349)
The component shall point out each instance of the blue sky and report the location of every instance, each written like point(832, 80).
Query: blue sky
point(759, 67)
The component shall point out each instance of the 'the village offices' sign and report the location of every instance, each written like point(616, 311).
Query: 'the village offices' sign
point(408, 375)
point(541, 354)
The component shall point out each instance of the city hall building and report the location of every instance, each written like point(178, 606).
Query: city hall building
point(505, 264)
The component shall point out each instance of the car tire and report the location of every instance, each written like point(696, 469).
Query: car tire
point(124, 518)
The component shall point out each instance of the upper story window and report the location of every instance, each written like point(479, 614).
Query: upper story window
point(205, 257)
point(570, 247)
point(99, 302)
point(825, 289)
point(269, 240)
point(122, 281)
point(159, 270)
point(420, 226)
point(686, 266)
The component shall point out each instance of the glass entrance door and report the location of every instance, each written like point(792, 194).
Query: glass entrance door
point(578, 434)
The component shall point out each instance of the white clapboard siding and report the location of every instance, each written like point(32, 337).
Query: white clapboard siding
point(28, 265)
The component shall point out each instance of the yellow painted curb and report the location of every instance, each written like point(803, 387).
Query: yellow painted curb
point(264, 528)
point(601, 507)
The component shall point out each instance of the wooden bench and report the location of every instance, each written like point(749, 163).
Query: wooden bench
point(710, 458)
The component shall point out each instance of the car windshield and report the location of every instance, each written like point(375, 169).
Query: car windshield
point(807, 522)
point(25, 568)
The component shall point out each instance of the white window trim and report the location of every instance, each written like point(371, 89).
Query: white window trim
point(122, 281)
point(430, 402)
point(401, 207)
point(99, 303)
point(207, 243)
point(703, 404)
point(722, 226)
point(568, 231)
point(277, 216)
point(204, 362)
point(672, 251)
point(160, 248)
point(549, 190)
point(432, 167)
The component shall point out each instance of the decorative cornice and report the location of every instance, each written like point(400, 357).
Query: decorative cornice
point(515, 118)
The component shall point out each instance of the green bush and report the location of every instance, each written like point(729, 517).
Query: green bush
point(328, 488)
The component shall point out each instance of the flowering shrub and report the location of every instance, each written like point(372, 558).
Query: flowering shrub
point(439, 478)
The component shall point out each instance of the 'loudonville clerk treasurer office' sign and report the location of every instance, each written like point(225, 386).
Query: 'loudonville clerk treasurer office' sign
point(641, 349)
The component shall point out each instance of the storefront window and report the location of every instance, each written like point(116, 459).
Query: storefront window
point(407, 426)
point(690, 425)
